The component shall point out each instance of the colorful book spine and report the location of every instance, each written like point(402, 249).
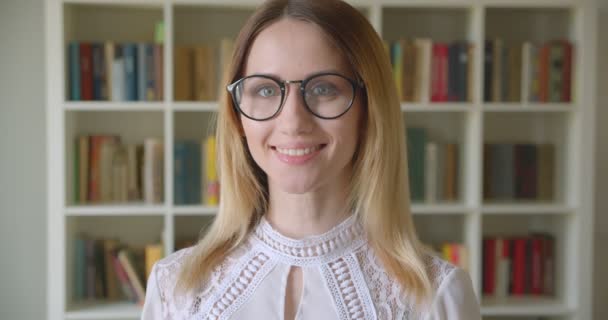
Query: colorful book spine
point(74, 64)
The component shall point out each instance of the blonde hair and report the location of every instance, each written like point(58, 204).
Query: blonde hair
point(379, 189)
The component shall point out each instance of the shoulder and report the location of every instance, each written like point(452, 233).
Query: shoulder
point(454, 295)
point(167, 270)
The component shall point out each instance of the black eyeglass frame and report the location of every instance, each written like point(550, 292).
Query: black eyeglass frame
point(282, 85)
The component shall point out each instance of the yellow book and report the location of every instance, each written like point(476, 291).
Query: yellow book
point(446, 250)
point(212, 188)
point(153, 253)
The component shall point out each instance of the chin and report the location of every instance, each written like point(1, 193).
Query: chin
point(295, 188)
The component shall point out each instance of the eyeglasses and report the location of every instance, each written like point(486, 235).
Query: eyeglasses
point(325, 95)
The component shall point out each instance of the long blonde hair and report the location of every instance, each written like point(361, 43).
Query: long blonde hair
point(379, 189)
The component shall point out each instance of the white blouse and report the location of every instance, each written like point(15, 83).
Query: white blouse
point(342, 279)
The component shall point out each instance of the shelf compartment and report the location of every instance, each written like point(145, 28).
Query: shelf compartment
point(527, 165)
point(113, 311)
point(558, 229)
point(131, 127)
point(101, 230)
point(443, 129)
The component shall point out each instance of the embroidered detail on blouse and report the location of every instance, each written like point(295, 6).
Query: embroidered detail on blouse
point(348, 288)
point(390, 299)
point(314, 250)
point(234, 293)
point(360, 286)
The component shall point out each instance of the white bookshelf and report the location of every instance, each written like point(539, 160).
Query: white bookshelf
point(470, 124)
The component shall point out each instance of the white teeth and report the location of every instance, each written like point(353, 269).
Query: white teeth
point(297, 152)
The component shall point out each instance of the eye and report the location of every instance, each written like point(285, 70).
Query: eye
point(324, 89)
point(267, 91)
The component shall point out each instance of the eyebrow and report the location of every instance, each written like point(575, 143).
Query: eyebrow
point(276, 76)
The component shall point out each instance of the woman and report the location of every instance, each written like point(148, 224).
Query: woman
point(314, 221)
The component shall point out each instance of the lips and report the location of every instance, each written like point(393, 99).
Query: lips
point(297, 154)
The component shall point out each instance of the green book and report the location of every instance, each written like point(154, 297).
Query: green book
point(416, 142)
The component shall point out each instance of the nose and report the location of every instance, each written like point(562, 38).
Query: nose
point(294, 119)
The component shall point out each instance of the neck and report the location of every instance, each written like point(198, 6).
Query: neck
point(313, 213)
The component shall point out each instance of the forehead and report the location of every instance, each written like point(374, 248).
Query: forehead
point(293, 49)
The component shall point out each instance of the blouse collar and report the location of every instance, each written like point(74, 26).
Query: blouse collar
point(311, 250)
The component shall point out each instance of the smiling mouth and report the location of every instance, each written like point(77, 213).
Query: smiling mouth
point(298, 151)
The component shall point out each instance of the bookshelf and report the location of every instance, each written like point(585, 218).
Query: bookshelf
point(470, 124)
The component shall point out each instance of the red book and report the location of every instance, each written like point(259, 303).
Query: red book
point(543, 73)
point(537, 265)
point(455, 251)
point(519, 266)
point(95, 143)
point(86, 71)
point(567, 72)
point(443, 84)
point(489, 266)
point(127, 287)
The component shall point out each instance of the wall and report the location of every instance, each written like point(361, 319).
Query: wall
point(22, 161)
point(601, 162)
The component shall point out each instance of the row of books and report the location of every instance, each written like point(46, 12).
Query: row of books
point(515, 72)
point(424, 69)
point(433, 168)
point(108, 269)
point(518, 171)
point(514, 266)
point(106, 170)
point(454, 253)
point(195, 172)
point(199, 70)
point(115, 71)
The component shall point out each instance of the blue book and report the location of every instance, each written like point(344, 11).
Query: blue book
point(150, 73)
point(141, 72)
point(193, 173)
point(130, 56)
point(179, 172)
point(74, 64)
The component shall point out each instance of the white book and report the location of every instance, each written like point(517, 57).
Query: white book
point(502, 271)
point(424, 48)
point(118, 79)
point(148, 170)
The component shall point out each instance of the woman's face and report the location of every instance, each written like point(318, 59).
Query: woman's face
point(300, 152)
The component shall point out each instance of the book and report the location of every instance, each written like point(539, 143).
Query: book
point(126, 262)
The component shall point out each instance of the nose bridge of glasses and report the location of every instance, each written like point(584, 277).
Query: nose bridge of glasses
point(286, 86)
